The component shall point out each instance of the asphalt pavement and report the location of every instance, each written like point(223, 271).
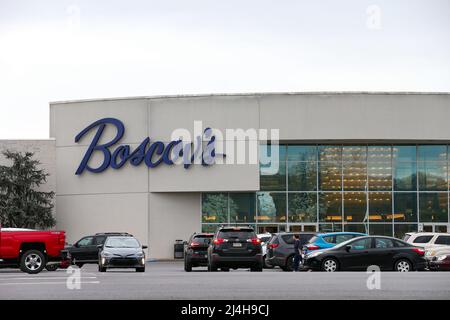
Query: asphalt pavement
point(168, 280)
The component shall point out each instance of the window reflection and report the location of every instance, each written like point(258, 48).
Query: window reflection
point(271, 207)
point(273, 177)
point(380, 206)
point(302, 176)
point(242, 207)
point(432, 153)
point(379, 154)
point(382, 229)
point(355, 176)
point(215, 207)
point(432, 176)
point(330, 153)
point(355, 209)
point(330, 207)
point(405, 177)
point(405, 207)
point(354, 153)
point(433, 207)
point(302, 153)
point(330, 176)
point(404, 153)
point(302, 207)
point(380, 175)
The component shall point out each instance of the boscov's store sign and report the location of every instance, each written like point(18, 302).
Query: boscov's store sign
point(151, 153)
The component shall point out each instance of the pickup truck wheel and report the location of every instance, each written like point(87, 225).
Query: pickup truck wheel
point(32, 261)
point(51, 267)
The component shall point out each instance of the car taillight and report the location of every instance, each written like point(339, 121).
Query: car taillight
point(273, 245)
point(420, 251)
point(254, 241)
point(218, 241)
point(312, 247)
point(195, 244)
point(62, 239)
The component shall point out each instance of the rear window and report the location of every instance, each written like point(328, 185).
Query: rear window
point(406, 237)
point(344, 237)
point(288, 238)
point(203, 238)
point(443, 240)
point(265, 239)
point(329, 239)
point(237, 234)
point(423, 239)
point(274, 240)
point(313, 239)
point(304, 238)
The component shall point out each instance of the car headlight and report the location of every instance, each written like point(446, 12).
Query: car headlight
point(440, 258)
point(140, 254)
point(314, 254)
point(105, 254)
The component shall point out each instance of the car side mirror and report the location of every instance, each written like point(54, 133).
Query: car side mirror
point(348, 248)
point(144, 247)
point(99, 246)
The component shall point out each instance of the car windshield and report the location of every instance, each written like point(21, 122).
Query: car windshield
point(123, 242)
point(203, 239)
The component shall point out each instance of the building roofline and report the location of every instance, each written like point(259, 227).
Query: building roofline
point(178, 96)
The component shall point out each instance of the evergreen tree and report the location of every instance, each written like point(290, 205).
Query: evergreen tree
point(21, 204)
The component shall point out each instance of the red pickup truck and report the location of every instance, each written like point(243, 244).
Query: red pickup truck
point(30, 250)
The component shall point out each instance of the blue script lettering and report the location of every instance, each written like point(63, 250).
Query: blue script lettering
point(153, 154)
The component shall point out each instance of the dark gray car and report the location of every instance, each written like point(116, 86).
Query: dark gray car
point(280, 250)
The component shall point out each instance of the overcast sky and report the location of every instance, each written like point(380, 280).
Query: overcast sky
point(65, 50)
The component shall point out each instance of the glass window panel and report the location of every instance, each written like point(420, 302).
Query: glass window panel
point(432, 176)
point(330, 176)
point(330, 227)
point(330, 207)
point(302, 207)
point(355, 206)
point(301, 153)
point(210, 228)
point(242, 207)
point(355, 176)
point(401, 229)
point(302, 176)
point(271, 207)
point(404, 153)
point(380, 206)
point(354, 153)
point(273, 177)
point(330, 153)
point(382, 229)
point(362, 228)
point(405, 176)
point(265, 151)
point(379, 154)
point(215, 207)
point(433, 207)
point(405, 207)
point(380, 175)
point(432, 153)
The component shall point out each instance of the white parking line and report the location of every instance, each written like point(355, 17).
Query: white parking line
point(47, 282)
point(43, 278)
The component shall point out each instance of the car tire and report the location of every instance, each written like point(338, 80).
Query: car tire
point(257, 269)
point(32, 261)
point(266, 264)
point(187, 266)
point(330, 265)
point(140, 269)
point(225, 269)
point(101, 269)
point(51, 267)
point(79, 265)
point(403, 265)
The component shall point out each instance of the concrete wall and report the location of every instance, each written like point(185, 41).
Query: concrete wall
point(162, 204)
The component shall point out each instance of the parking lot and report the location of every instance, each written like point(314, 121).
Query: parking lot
point(168, 280)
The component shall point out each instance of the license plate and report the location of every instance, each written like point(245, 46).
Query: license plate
point(237, 245)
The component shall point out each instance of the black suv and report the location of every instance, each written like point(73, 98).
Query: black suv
point(280, 249)
point(86, 249)
point(196, 250)
point(235, 247)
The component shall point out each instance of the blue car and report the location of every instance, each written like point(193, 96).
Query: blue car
point(329, 240)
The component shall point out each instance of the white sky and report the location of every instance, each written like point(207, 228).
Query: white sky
point(64, 50)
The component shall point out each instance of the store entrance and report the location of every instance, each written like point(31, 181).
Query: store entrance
point(303, 227)
point(435, 227)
